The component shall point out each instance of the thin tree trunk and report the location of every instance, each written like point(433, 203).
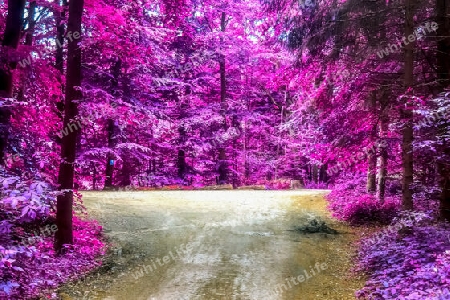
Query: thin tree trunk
point(94, 177)
point(407, 113)
point(31, 24)
point(181, 164)
point(246, 164)
point(109, 169)
point(278, 144)
point(10, 42)
point(28, 42)
point(372, 156)
point(382, 173)
point(223, 92)
point(371, 173)
point(64, 235)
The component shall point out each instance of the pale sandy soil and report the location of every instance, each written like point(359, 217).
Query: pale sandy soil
point(241, 246)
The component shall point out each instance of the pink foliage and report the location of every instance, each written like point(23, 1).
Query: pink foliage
point(412, 262)
point(358, 208)
point(29, 267)
point(277, 184)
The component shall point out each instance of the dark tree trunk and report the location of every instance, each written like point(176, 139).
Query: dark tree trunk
point(223, 91)
point(382, 173)
point(322, 174)
point(371, 185)
point(31, 24)
point(315, 173)
point(28, 42)
point(59, 54)
point(407, 113)
point(109, 171)
point(181, 164)
point(443, 69)
point(10, 42)
point(60, 28)
point(444, 180)
point(443, 43)
point(64, 235)
point(371, 173)
point(94, 177)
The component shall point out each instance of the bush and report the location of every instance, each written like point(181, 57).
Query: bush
point(359, 208)
point(29, 267)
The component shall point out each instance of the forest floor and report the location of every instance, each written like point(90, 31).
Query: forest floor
point(240, 245)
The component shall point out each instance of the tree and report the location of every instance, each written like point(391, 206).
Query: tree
point(64, 235)
point(223, 93)
point(11, 38)
point(443, 70)
point(407, 112)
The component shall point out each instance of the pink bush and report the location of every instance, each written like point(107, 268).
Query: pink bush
point(358, 208)
point(29, 267)
point(32, 272)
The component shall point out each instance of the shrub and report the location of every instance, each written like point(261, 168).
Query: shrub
point(358, 208)
point(29, 267)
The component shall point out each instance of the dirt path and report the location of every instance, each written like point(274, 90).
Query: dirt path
point(216, 245)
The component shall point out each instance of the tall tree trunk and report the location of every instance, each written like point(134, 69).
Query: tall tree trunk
point(181, 163)
point(223, 92)
point(371, 173)
point(443, 43)
point(31, 24)
point(382, 173)
point(60, 28)
point(28, 42)
point(443, 68)
point(64, 235)
point(59, 54)
point(407, 113)
point(10, 42)
point(372, 159)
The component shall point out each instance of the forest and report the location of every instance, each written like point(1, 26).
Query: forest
point(142, 96)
